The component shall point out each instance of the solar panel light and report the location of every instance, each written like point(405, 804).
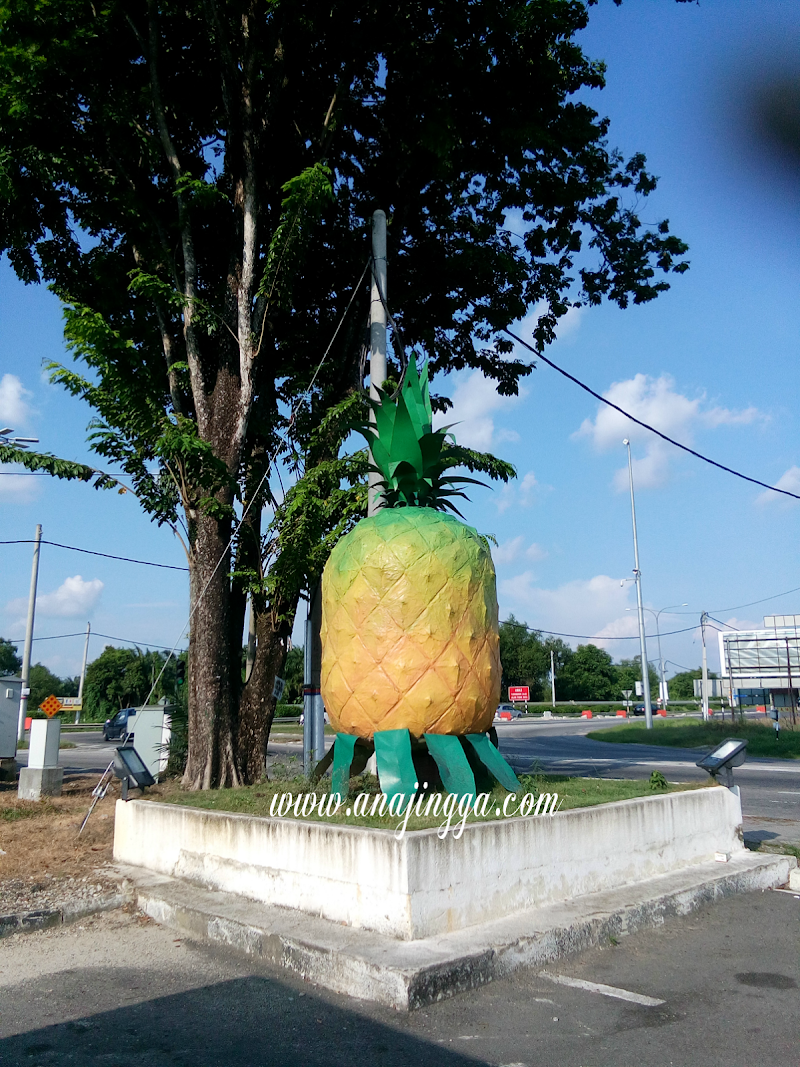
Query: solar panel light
point(130, 768)
point(731, 753)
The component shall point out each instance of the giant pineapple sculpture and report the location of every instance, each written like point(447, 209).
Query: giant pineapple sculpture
point(409, 606)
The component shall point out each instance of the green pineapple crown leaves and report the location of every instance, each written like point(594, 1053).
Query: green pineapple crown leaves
point(411, 457)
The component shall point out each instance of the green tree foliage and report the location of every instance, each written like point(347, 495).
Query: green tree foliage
point(123, 678)
point(681, 686)
point(588, 674)
point(195, 181)
point(10, 661)
point(629, 671)
point(525, 658)
point(44, 683)
point(293, 675)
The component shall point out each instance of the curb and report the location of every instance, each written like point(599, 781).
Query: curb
point(410, 974)
point(30, 922)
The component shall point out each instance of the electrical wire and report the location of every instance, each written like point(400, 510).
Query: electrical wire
point(592, 637)
point(647, 426)
point(92, 633)
point(105, 555)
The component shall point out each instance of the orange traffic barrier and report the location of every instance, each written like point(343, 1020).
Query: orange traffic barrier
point(622, 714)
point(662, 712)
point(586, 714)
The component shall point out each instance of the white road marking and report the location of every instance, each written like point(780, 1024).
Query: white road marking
point(790, 792)
point(604, 990)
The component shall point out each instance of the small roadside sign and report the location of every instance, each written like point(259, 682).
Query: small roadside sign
point(519, 694)
point(51, 706)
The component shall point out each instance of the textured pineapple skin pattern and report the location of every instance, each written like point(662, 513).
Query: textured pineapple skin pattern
point(410, 627)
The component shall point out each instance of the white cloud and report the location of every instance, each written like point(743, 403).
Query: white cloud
point(14, 408)
point(521, 494)
point(654, 401)
point(511, 550)
point(16, 488)
point(789, 480)
point(74, 598)
point(508, 551)
point(476, 404)
point(579, 607)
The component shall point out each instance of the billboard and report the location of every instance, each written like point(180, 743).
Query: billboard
point(519, 694)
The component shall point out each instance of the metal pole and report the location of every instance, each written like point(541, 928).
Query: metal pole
point(648, 708)
point(83, 673)
point(308, 699)
point(313, 710)
point(661, 661)
point(251, 642)
point(705, 668)
point(26, 656)
point(552, 677)
point(791, 683)
point(377, 335)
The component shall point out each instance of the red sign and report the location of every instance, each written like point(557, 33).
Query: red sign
point(519, 694)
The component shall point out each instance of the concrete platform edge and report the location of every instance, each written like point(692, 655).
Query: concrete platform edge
point(410, 974)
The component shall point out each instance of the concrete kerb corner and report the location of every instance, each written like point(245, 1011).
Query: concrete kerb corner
point(29, 922)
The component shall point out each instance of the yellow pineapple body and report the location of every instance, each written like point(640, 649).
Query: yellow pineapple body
point(410, 627)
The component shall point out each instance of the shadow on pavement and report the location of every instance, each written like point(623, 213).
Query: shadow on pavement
point(244, 1022)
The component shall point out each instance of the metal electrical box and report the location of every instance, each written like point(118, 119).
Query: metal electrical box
point(151, 738)
point(10, 689)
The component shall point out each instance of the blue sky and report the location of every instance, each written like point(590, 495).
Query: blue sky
point(713, 363)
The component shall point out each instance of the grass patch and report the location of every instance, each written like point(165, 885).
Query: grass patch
point(258, 800)
point(681, 733)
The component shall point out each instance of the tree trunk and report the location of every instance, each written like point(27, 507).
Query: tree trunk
point(213, 690)
point(257, 705)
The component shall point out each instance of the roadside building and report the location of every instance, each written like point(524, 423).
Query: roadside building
point(762, 667)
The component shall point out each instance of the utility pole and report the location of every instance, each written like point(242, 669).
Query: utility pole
point(552, 677)
point(705, 668)
point(83, 673)
point(648, 708)
point(377, 336)
point(26, 656)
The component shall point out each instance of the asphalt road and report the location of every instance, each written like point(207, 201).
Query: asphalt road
point(119, 991)
point(770, 788)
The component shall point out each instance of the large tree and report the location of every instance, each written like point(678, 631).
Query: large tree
point(195, 182)
point(589, 674)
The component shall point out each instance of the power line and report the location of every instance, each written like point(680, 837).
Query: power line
point(591, 637)
point(647, 426)
point(93, 633)
point(105, 555)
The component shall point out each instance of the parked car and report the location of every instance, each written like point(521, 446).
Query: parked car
point(119, 725)
point(638, 709)
point(507, 712)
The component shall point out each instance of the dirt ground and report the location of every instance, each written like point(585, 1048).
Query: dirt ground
point(43, 861)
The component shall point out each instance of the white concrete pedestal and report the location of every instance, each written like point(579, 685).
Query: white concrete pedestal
point(42, 776)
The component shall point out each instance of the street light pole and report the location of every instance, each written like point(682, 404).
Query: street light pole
point(648, 707)
point(662, 666)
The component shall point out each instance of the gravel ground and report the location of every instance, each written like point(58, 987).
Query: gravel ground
point(51, 893)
